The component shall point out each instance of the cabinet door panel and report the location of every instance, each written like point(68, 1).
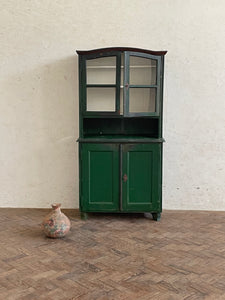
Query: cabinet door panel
point(142, 84)
point(100, 182)
point(141, 177)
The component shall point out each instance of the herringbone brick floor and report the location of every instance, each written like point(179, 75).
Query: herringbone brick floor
point(113, 257)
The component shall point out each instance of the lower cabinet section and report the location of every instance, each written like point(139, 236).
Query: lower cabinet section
point(121, 178)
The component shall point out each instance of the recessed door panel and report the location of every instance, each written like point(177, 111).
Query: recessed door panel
point(100, 181)
point(141, 177)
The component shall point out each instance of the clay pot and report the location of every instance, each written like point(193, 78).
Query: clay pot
point(56, 224)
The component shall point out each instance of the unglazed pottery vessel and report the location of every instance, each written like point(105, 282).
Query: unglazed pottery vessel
point(56, 224)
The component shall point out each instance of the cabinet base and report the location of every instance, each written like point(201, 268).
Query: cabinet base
point(156, 216)
point(84, 216)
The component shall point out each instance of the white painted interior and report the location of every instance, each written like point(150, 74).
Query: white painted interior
point(39, 94)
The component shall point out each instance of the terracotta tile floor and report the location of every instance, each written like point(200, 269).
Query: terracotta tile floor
point(114, 257)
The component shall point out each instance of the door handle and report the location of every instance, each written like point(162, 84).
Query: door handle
point(125, 178)
point(127, 85)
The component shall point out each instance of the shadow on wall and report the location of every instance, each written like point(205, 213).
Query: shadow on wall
point(40, 132)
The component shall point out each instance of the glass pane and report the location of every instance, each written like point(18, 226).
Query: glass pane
point(142, 71)
point(101, 70)
point(101, 99)
point(142, 100)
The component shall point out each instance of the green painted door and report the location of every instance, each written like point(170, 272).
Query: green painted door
point(141, 177)
point(100, 177)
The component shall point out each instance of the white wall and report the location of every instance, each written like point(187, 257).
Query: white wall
point(39, 93)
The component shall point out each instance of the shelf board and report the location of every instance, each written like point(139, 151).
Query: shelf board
point(122, 67)
point(101, 67)
point(121, 86)
point(120, 139)
point(104, 85)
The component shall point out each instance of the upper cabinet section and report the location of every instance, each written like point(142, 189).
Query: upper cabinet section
point(121, 82)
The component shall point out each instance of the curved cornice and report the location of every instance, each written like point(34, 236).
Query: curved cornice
point(110, 49)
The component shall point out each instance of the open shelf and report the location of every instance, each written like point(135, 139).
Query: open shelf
point(139, 127)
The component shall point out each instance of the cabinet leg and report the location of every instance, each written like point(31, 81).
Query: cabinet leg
point(83, 216)
point(156, 216)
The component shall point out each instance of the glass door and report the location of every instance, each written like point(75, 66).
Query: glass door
point(141, 84)
point(102, 84)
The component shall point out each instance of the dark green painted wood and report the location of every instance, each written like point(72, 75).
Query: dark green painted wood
point(126, 80)
point(84, 216)
point(81, 92)
point(106, 114)
point(118, 76)
point(156, 216)
point(126, 140)
point(121, 177)
point(100, 183)
point(141, 185)
point(161, 98)
point(142, 86)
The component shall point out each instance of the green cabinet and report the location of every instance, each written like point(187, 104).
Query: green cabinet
point(120, 142)
point(120, 177)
